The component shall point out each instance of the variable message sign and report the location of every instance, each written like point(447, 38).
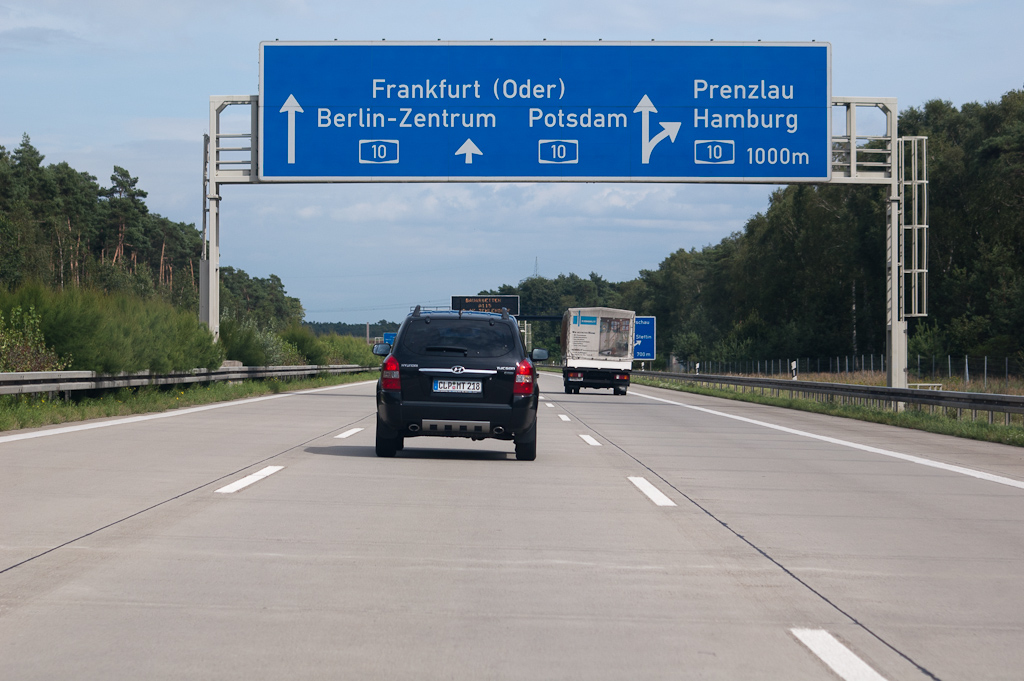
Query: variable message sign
point(624, 112)
point(487, 303)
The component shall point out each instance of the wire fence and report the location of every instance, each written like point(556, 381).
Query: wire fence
point(951, 372)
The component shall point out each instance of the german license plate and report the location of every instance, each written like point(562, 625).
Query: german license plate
point(447, 386)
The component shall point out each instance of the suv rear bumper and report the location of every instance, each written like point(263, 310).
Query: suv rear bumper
point(457, 419)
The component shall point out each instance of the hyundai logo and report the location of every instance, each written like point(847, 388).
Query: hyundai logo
point(458, 369)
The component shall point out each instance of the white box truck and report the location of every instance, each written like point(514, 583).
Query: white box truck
point(597, 348)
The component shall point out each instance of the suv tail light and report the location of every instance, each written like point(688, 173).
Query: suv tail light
point(389, 379)
point(524, 378)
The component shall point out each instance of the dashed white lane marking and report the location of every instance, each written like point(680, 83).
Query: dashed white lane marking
point(542, 397)
point(852, 445)
point(347, 433)
point(248, 480)
point(590, 441)
point(837, 656)
point(549, 405)
point(168, 414)
point(652, 492)
point(563, 417)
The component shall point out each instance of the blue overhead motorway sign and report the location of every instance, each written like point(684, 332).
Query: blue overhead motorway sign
point(617, 112)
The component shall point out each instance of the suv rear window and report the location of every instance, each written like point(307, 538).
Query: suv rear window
point(458, 338)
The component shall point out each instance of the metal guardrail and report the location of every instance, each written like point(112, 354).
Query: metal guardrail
point(66, 381)
point(869, 395)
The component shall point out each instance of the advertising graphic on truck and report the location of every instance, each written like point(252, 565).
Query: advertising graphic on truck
point(597, 343)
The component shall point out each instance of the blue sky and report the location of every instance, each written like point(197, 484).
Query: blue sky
point(99, 83)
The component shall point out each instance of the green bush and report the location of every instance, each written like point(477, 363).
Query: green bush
point(114, 332)
point(241, 342)
point(348, 350)
point(22, 346)
point(306, 342)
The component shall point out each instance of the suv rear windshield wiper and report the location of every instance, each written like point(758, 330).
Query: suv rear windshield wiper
point(446, 348)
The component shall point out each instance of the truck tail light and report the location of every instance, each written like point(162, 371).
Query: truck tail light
point(389, 379)
point(621, 377)
point(524, 378)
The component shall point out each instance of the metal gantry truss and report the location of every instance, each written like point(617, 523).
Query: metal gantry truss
point(886, 159)
point(902, 165)
point(228, 158)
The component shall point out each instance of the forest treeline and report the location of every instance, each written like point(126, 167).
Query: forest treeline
point(91, 279)
point(807, 276)
point(804, 278)
point(376, 329)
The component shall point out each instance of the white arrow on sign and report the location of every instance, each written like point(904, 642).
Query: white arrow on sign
point(291, 106)
point(646, 108)
point(468, 148)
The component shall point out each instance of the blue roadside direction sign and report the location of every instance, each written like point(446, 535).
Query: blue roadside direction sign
point(644, 338)
point(570, 112)
point(389, 337)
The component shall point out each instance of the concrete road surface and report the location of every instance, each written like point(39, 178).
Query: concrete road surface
point(658, 535)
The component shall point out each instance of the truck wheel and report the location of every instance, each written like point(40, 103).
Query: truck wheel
point(575, 391)
point(568, 390)
point(620, 391)
point(387, 440)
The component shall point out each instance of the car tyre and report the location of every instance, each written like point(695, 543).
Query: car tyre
point(387, 440)
point(526, 444)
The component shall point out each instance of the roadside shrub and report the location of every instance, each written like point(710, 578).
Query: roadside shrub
point(22, 346)
point(306, 342)
point(114, 332)
point(348, 350)
point(241, 342)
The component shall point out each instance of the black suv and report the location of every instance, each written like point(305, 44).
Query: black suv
point(457, 374)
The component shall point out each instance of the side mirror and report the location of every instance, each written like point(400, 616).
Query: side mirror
point(539, 354)
point(382, 349)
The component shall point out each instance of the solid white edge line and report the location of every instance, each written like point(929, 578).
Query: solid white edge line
point(167, 414)
point(248, 480)
point(652, 492)
point(347, 433)
point(852, 445)
point(590, 440)
point(837, 656)
point(563, 417)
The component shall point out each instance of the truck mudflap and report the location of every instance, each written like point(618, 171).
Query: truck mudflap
point(573, 379)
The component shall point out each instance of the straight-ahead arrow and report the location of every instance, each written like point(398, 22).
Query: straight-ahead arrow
point(468, 148)
point(291, 106)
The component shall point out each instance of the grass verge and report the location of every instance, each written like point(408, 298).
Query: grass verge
point(911, 418)
point(34, 411)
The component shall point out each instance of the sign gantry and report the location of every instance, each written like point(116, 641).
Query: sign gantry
point(562, 112)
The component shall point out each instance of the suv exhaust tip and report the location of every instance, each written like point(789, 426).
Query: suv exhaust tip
point(498, 430)
point(414, 428)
